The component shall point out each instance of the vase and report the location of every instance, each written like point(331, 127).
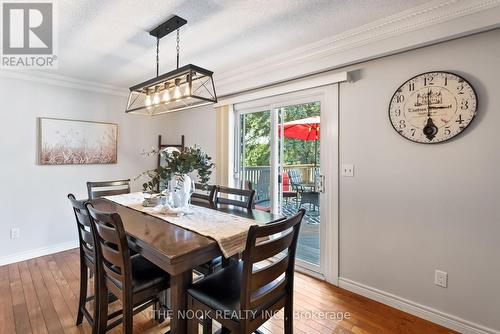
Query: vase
point(183, 188)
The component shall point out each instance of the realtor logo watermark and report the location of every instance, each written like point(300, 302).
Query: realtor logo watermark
point(28, 35)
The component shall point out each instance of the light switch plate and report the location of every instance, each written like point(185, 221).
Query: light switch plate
point(441, 278)
point(15, 233)
point(348, 170)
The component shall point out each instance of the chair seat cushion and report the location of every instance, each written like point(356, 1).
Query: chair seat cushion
point(222, 290)
point(214, 263)
point(146, 275)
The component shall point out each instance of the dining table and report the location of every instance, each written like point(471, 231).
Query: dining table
point(173, 248)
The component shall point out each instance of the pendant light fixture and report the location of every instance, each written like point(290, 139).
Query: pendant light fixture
point(185, 87)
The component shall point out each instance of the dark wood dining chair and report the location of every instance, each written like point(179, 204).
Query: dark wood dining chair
point(246, 202)
point(107, 188)
point(252, 296)
point(87, 262)
point(245, 197)
point(205, 193)
point(135, 281)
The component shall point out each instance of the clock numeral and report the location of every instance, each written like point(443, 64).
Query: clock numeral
point(459, 120)
point(428, 81)
point(402, 124)
point(460, 88)
point(446, 81)
point(400, 98)
point(413, 132)
point(447, 131)
point(464, 105)
point(397, 112)
point(411, 86)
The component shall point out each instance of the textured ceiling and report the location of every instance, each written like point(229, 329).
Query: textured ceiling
point(107, 41)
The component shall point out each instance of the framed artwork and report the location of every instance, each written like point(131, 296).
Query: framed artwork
point(74, 142)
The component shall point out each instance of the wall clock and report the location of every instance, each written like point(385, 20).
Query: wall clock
point(433, 107)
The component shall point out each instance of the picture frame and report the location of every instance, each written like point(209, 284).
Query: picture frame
point(76, 142)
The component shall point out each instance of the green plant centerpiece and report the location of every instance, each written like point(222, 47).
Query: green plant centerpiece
point(174, 172)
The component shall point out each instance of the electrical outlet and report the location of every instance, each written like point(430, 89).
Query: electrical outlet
point(348, 170)
point(441, 278)
point(15, 233)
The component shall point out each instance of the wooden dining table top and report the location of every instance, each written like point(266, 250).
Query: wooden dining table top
point(170, 246)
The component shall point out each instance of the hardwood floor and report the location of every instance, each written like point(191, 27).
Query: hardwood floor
point(41, 296)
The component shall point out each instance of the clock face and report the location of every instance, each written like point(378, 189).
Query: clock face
point(433, 107)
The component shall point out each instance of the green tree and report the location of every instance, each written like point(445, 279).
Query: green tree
point(256, 137)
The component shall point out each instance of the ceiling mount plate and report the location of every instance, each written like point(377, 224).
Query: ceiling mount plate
point(168, 26)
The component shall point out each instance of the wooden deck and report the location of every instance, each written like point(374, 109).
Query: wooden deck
point(41, 296)
point(308, 246)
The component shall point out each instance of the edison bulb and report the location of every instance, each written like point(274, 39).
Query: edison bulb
point(147, 101)
point(165, 96)
point(177, 92)
point(156, 98)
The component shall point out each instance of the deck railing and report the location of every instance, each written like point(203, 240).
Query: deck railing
point(253, 174)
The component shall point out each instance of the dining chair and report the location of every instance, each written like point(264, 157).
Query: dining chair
point(107, 188)
point(206, 193)
point(247, 293)
point(87, 262)
point(135, 281)
point(247, 203)
point(245, 197)
point(262, 204)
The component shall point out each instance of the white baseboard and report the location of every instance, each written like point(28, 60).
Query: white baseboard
point(447, 320)
point(22, 256)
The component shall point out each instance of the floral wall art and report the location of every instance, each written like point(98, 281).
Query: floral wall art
point(72, 142)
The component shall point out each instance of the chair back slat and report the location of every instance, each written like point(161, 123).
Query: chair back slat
point(88, 237)
point(85, 234)
point(110, 273)
point(246, 194)
point(264, 296)
point(262, 277)
point(272, 280)
point(275, 246)
point(109, 234)
point(112, 250)
point(112, 256)
point(208, 196)
point(82, 216)
point(108, 188)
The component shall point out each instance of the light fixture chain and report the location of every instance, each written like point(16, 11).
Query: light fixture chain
point(157, 56)
point(178, 47)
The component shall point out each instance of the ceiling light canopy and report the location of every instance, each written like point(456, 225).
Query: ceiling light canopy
point(185, 87)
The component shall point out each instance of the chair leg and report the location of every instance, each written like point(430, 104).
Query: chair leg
point(128, 318)
point(102, 319)
point(97, 303)
point(192, 323)
point(288, 316)
point(206, 324)
point(83, 291)
point(156, 311)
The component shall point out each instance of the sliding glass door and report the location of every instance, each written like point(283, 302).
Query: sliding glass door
point(279, 157)
point(300, 171)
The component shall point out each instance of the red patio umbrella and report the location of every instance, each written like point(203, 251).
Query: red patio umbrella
point(305, 129)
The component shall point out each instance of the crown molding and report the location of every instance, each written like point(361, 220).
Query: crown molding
point(432, 22)
point(64, 81)
point(441, 20)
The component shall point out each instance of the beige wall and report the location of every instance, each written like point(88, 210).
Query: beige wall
point(413, 208)
point(197, 126)
point(33, 197)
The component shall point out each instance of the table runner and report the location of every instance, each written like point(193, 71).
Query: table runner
point(230, 231)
